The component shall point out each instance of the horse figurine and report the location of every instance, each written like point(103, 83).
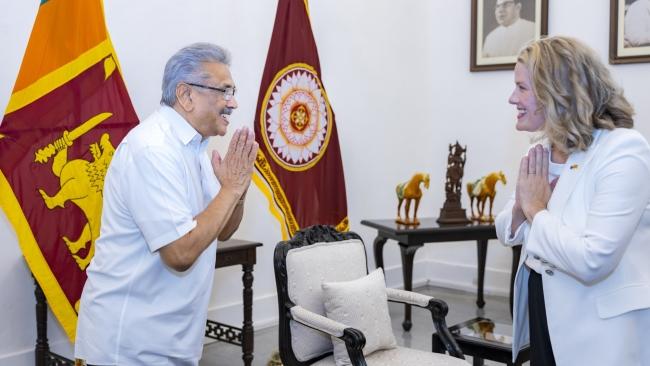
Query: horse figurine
point(410, 191)
point(484, 189)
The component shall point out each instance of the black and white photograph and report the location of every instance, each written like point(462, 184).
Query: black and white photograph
point(629, 31)
point(501, 27)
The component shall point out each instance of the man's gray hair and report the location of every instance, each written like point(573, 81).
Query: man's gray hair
point(186, 66)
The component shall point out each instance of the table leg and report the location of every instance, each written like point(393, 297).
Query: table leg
point(408, 253)
point(247, 329)
point(516, 254)
point(481, 247)
point(476, 361)
point(378, 247)
point(42, 348)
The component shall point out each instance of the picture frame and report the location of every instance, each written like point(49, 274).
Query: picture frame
point(629, 31)
point(499, 28)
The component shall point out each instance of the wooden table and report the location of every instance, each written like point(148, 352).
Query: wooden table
point(229, 253)
point(411, 238)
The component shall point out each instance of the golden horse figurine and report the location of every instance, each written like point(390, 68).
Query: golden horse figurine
point(484, 189)
point(410, 191)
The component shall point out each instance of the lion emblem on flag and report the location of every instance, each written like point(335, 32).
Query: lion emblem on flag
point(82, 183)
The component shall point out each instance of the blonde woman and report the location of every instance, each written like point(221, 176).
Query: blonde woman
point(582, 288)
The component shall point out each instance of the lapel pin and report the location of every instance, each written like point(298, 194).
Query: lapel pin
point(574, 167)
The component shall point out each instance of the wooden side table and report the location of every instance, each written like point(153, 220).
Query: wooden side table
point(229, 253)
point(412, 238)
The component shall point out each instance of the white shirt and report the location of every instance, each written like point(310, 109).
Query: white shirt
point(134, 309)
point(506, 41)
point(637, 23)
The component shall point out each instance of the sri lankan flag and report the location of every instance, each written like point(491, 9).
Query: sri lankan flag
point(299, 161)
point(68, 111)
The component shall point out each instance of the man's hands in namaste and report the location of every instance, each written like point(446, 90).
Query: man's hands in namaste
point(234, 171)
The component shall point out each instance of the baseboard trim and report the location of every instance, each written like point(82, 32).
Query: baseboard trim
point(27, 357)
point(456, 276)
point(464, 277)
point(265, 313)
point(23, 357)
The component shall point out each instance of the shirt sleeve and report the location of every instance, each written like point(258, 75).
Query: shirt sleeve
point(158, 198)
point(613, 213)
point(503, 224)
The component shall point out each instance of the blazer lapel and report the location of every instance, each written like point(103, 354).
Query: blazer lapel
point(573, 170)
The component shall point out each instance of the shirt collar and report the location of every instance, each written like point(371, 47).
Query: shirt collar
point(513, 23)
point(182, 129)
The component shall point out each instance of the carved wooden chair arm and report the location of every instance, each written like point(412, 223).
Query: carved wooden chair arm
point(438, 309)
point(353, 338)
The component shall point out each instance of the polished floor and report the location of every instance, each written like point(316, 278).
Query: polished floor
point(462, 306)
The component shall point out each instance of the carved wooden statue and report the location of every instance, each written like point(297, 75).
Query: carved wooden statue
point(410, 191)
point(451, 211)
point(482, 190)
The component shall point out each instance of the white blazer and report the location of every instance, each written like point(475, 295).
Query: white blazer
point(593, 244)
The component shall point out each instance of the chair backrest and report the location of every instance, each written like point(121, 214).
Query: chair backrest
point(314, 255)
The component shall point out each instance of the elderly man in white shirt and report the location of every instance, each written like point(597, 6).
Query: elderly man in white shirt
point(165, 206)
point(637, 24)
point(511, 34)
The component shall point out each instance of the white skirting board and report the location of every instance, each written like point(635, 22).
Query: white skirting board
point(26, 357)
point(18, 358)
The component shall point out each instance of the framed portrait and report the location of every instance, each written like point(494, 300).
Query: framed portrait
point(501, 27)
point(629, 31)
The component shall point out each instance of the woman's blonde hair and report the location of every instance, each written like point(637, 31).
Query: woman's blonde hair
point(575, 91)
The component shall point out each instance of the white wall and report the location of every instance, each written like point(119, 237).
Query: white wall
point(396, 73)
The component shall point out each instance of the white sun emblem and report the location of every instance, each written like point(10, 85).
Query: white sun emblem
point(297, 119)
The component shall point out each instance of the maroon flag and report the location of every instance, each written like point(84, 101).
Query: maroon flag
point(299, 161)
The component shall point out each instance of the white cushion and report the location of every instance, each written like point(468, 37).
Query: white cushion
point(403, 356)
point(360, 304)
point(307, 268)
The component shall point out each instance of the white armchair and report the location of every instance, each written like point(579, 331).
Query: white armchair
point(320, 254)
